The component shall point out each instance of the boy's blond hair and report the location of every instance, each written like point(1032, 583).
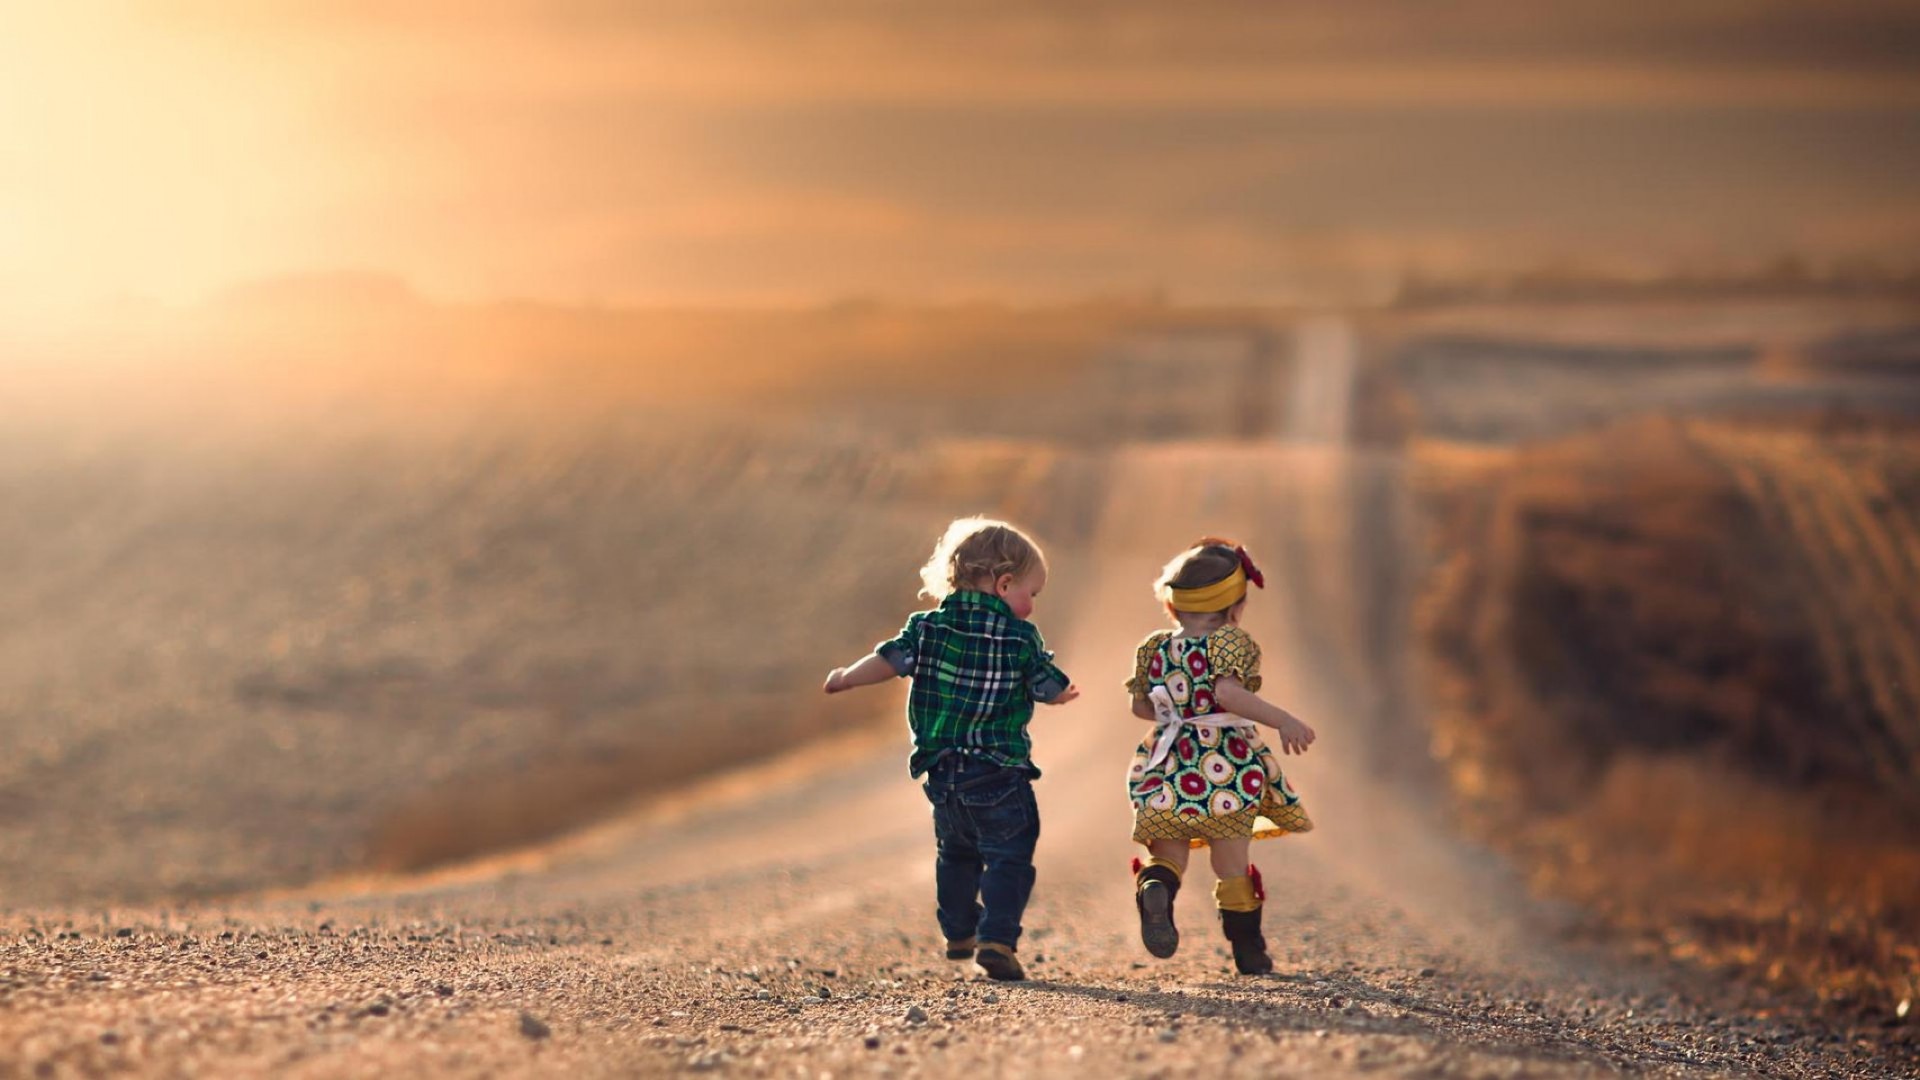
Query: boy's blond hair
point(974, 548)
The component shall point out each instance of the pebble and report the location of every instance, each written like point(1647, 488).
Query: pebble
point(1168, 1035)
point(872, 1042)
point(916, 1015)
point(708, 1061)
point(991, 998)
point(763, 995)
point(533, 1027)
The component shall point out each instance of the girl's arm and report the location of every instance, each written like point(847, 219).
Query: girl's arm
point(870, 669)
point(1142, 708)
point(1295, 736)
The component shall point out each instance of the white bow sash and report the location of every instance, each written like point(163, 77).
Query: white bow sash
point(1168, 723)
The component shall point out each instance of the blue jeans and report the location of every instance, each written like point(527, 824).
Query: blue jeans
point(985, 824)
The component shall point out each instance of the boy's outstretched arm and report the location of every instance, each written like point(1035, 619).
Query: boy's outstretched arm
point(1295, 735)
point(870, 669)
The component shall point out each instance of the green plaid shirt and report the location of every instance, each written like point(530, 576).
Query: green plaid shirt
point(976, 673)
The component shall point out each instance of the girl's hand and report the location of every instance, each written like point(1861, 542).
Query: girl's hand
point(1295, 736)
point(836, 681)
point(1066, 695)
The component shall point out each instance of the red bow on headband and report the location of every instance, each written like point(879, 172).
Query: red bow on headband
point(1246, 564)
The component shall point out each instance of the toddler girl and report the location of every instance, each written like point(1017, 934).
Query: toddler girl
point(1204, 777)
point(977, 666)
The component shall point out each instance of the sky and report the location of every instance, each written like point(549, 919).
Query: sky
point(753, 151)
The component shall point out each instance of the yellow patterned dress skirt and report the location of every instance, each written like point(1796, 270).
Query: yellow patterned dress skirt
point(1215, 782)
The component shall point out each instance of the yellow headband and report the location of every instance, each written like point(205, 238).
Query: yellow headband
point(1218, 596)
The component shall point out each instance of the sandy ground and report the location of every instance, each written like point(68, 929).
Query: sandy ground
point(779, 922)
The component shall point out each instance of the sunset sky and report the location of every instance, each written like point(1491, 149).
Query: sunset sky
point(747, 151)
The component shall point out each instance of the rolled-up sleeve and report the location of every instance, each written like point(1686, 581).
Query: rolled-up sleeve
point(1045, 680)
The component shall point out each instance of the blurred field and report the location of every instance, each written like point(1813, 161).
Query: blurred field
point(1671, 652)
point(228, 666)
point(1500, 374)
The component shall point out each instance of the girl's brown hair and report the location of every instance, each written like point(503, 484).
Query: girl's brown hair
point(1210, 559)
point(975, 548)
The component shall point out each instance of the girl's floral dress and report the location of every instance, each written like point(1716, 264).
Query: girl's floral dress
point(1216, 781)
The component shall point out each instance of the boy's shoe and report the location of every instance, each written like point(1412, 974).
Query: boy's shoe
point(1153, 893)
point(998, 962)
point(1249, 945)
point(961, 949)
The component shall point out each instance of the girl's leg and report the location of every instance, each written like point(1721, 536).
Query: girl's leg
point(1229, 857)
point(1173, 851)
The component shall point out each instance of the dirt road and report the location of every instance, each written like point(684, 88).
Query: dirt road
point(779, 922)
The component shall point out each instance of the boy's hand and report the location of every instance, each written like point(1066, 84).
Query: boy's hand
point(836, 681)
point(1295, 736)
point(1066, 695)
